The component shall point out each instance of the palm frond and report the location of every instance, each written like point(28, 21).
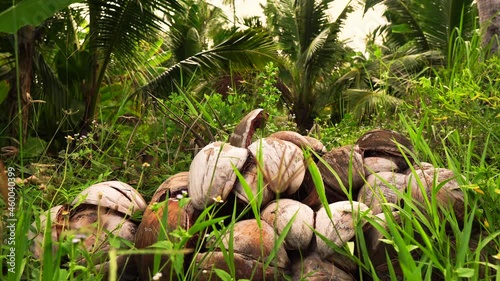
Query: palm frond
point(370, 4)
point(407, 63)
point(316, 44)
point(309, 41)
point(325, 50)
point(428, 25)
point(281, 21)
point(245, 50)
point(383, 82)
point(122, 24)
point(118, 26)
point(189, 32)
point(363, 103)
point(311, 19)
point(59, 110)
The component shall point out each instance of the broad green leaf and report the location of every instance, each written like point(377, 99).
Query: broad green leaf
point(114, 242)
point(465, 272)
point(34, 147)
point(163, 245)
point(222, 274)
point(411, 247)
point(30, 12)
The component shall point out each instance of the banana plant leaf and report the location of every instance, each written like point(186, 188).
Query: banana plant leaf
point(30, 12)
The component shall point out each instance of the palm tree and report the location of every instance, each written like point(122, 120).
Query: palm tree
point(490, 22)
point(115, 28)
point(309, 42)
point(193, 31)
point(239, 51)
point(381, 79)
point(419, 34)
point(74, 57)
point(422, 25)
point(26, 49)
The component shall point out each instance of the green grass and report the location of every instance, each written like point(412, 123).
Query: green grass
point(431, 244)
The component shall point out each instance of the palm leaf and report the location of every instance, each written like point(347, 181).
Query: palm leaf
point(310, 18)
point(370, 4)
point(246, 50)
point(363, 103)
point(29, 12)
point(324, 50)
point(121, 24)
point(383, 81)
point(57, 112)
point(281, 21)
point(117, 27)
point(189, 32)
point(316, 45)
point(427, 25)
point(309, 40)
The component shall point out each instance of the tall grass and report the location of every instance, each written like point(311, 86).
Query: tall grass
point(435, 244)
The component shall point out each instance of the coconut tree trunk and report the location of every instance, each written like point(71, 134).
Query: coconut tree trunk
point(489, 18)
point(26, 50)
point(91, 87)
point(303, 106)
point(303, 119)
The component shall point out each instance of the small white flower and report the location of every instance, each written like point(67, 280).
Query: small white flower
point(218, 199)
point(184, 192)
point(179, 196)
point(78, 238)
point(69, 138)
point(145, 164)
point(157, 276)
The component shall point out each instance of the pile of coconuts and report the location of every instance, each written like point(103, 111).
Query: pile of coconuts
point(280, 207)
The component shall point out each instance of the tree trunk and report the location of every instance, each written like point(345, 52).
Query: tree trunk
point(489, 19)
point(91, 87)
point(303, 116)
point(26, 49)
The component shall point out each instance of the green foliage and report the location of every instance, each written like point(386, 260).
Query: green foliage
point(30, 12)
point(376, 84)
point(343, 133)
point(426, 25)
point(71, 64)
point(461, 100)
point(242, 51)
point(431, 241)
point(191, 32)
point(450, 113)
point(269, 98)
point(312, 52)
